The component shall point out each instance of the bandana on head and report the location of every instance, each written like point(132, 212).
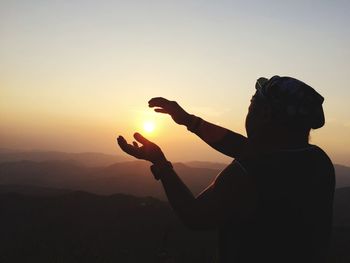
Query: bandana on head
point(292, 100)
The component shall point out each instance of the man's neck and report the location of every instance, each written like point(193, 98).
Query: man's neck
point(279, 142)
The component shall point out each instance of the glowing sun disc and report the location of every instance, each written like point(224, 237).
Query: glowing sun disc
point(149, 126)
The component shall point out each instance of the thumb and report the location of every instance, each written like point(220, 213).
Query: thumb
point(141, 139)
point(161, 110)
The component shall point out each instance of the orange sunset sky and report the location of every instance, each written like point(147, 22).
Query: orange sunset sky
point(75, 74)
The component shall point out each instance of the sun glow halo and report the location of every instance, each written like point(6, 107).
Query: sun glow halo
point(149, 126)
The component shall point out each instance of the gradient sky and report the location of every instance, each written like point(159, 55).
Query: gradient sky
point(74, 74)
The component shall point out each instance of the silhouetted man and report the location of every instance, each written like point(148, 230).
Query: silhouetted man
point(273, 203)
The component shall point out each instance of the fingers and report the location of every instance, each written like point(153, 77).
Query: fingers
point(135, 144)
point(141, 139)
point(121, 141)
point(161, 110)
point(158, 102)
point(128, 148)
point(123, 144)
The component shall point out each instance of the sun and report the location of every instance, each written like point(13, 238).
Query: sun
point(149, 126)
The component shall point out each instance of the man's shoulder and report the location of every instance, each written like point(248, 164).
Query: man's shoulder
point(235, 167)
point(310, 151)
point(324, 156)
point(236, 191)
point(233, 174)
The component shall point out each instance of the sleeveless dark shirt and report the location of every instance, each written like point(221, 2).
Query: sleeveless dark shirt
point(293, 218)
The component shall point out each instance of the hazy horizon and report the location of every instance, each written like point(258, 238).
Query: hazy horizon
point(225, 160)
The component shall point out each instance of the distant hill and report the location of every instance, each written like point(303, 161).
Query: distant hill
point(342, 175)
point(129, 177)
point(7, 150)
point(32, 190)
point(132, 177)
point(89, 159)
point(203, 164)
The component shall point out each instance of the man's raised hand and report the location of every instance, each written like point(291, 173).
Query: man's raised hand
point(148, 151)
point(179, 115)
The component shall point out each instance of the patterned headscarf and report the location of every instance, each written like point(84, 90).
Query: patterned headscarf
point(292, 101)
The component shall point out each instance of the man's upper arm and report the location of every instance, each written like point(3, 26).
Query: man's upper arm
point(222, 139)
point(231, 197)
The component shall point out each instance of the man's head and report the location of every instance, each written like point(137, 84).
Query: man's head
point(283, 105)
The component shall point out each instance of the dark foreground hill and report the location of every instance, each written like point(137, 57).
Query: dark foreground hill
point(69, 226)
point(82, 227)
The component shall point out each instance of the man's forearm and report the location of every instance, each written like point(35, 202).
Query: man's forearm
point(221, 139)
point(180, 197)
